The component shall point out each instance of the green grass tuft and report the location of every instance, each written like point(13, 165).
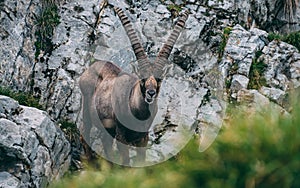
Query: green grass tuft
point(223, 43)
point(174, 7)
point(25, 99)
point(274, 36)
point(291, 38)
point(46, 21)
point(257, 69)
point(70, 129)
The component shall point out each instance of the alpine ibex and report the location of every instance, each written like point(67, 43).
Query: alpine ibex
point(125, 103)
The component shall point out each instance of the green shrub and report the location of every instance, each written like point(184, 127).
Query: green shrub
point(223, 43)
point(258, 67)
point(46, 21)
point(174, 7)
point(291, 38)
point(261, 150)
point(23, 98)
point(274, 36)
point(70, 130)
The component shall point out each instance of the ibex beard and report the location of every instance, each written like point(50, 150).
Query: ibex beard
point(122, 104)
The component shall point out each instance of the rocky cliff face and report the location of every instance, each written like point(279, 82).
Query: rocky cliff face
point(88, 31)
point(33, 150)
point(210, 65)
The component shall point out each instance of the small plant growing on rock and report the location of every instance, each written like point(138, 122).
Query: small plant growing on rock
point(73, 136)
point(23, 98)
point(46, 21)
point(70, 130)
point(274, 36)
point(223, 43)
point(258, 67)
point(291, 38)
point(174, 8)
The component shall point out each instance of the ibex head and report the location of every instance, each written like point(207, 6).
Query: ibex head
point(151, 74)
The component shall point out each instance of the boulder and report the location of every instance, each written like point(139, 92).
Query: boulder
point(283, 65)
point(239, 53)
point(268, 15)
point(34, 151)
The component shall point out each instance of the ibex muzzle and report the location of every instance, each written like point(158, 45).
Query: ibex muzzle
point(125, 104)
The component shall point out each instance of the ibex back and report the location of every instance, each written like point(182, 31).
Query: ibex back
point(125, 104)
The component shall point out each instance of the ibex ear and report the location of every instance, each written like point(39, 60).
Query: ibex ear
point(135, 69)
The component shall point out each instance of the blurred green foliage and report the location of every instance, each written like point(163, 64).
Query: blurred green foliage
point(23, 98)
point(291, 38)
point(258, 150)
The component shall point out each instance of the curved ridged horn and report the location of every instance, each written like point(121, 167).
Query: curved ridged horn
point(165, 51)
point(138, 49)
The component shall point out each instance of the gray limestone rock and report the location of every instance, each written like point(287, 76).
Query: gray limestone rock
point(17, 42)
point(254, 101)
point(34, 151)
point(283, 70)
point(282, 73)
point(241, 48)
point(88, 31)
point(274, 94)
point(262, 13)
point(8, 181)
point(238, 82)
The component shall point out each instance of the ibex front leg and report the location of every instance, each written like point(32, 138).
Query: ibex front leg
point(123, 146)
point(127, 138)
point(141, 150)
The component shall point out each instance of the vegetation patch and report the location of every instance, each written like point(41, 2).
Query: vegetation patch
point(46, 21)
point(274, 36)
point(25, 99)
point(233, 70)
point(258, 67)
point(223, 43)
point(70, 130)
point(257, 151)
point(291, 38)
point(72, 134)
point(174, 8)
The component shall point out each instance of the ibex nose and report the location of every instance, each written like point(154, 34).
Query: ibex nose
point(151, 92)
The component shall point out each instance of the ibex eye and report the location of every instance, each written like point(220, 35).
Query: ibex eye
point(143, 81)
